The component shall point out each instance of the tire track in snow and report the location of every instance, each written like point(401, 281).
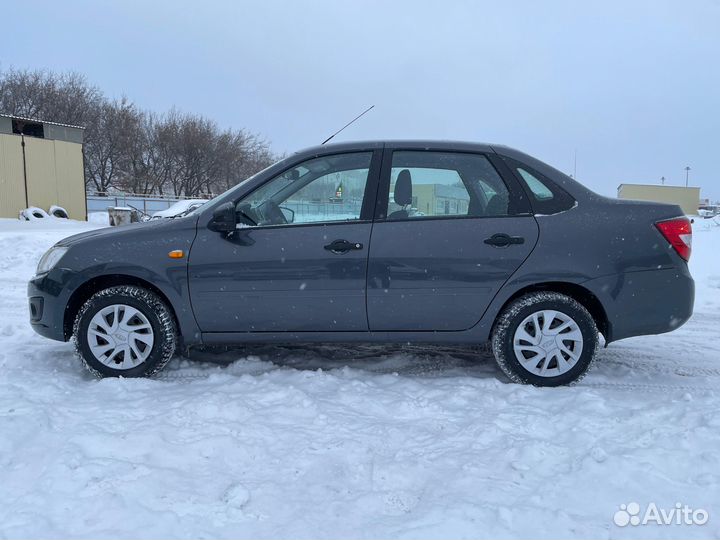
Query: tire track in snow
point(619, 386)
point(650, 388)
point(432, 360)
point(662, 368)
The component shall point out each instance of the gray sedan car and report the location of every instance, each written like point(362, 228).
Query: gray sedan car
point(403, 241)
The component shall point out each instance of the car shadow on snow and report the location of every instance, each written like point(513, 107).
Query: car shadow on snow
point(401, 359)
point(620, 368)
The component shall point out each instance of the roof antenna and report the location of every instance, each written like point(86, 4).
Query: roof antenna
point(350, 122)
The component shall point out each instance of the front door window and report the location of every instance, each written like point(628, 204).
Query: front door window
point(326, 189)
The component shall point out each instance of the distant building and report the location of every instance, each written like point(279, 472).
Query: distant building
point(688, 198)
point(41, 164)
point(438, 199)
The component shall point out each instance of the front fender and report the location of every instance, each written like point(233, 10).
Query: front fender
point(133, 254)
point(172, 285)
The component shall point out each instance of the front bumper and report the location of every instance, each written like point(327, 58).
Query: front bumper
point(48, 296)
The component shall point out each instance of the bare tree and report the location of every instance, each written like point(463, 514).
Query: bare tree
point(135, 151)
point(66, 98)
point(108, 152)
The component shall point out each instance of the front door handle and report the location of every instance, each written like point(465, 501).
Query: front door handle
point(342, 246)
point(504, 240)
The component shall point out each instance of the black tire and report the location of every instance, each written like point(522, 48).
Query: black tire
point(155, 311)
point(516, 312)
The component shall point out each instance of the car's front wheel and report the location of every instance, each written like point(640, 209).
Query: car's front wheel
point(545, 339)
point(124, 331)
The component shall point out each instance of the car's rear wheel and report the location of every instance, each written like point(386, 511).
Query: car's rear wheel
point(545, 339)
point(124, 331)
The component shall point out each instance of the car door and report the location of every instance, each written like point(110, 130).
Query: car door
point(298, 260)
point(449, 231)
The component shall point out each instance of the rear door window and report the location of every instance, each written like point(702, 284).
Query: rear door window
point(427, 184)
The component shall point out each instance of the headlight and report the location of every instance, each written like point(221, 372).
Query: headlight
point(50, 259)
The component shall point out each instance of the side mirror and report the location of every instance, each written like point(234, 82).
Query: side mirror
point(223, 219)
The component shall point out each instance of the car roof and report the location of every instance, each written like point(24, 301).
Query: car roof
point(404, 144)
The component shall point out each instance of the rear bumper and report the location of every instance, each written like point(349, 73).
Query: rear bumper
point(48, 296)
point(645, 302)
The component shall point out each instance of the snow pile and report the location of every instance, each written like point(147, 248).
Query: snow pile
point(353, 441)
point(101, 219)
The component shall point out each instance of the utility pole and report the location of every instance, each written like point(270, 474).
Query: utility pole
point(687, 175)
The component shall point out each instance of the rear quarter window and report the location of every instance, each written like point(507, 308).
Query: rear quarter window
point(546, 197)
point(540, 191)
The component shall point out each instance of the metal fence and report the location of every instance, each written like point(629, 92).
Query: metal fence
point(304, 211)
point(147, 205)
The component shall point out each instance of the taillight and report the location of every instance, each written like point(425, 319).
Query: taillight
point(678, 232)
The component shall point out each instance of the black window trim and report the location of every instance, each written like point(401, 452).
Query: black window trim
point(515, 190)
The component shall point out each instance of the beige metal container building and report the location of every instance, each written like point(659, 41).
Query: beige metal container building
point(688, 198)
point(41, 164)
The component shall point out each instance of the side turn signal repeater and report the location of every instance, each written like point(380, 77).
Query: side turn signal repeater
point(176, 254)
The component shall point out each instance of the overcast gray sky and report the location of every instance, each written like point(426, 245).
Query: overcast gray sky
point(634, 87)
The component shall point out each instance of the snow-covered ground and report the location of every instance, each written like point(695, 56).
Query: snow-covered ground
point(356, 441)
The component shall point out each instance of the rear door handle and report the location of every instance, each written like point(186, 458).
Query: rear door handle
point(342, 246)
point(504, 240)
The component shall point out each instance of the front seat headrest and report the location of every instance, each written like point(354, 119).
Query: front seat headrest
point(403, 188)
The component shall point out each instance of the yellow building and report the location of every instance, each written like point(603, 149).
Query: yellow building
point(438, 199)
point(41, 164)
point(688, 198)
